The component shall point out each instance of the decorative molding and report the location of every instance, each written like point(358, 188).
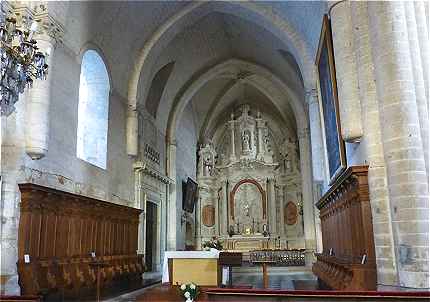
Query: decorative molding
point(143, 167)
point(152, 154)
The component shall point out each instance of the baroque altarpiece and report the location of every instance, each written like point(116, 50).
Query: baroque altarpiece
point(250, 194)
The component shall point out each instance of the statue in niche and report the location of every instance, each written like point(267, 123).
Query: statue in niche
point(289, 154)
point(246, 141)
point(246, 209)
point(267, 145)
point(207, 160)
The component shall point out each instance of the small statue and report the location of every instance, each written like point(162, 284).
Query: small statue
point(246, 146)
point(207, 163)
point(246, 209)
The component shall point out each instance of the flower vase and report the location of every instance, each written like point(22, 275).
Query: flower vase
point(189, 300)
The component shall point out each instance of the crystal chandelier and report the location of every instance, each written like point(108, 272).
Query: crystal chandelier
point(21, 62)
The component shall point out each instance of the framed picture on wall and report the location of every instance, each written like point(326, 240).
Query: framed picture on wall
point(329, 104)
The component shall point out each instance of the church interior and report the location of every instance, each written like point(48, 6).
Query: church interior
point(214, 151)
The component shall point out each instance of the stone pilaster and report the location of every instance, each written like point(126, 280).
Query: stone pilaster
point(272, 207)
point(48, 34)
point(346, 72)
point(317, 145)
point(373, 149)
point(140, 203)
point(172, 207)
point(401, 138)
point(307, 191)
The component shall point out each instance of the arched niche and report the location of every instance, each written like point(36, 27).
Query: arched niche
point(260, 189)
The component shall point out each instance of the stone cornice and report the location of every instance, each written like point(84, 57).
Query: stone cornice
point(145, 169)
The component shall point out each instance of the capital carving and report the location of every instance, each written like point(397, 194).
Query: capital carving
point(311, 95)
point(303, 133)
point(47, 25)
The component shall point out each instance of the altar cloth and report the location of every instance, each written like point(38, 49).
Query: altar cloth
point(185, 255)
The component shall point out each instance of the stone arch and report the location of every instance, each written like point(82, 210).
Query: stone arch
point(234, 69)
point(157, 88)
point(230, 69)
point(253, 12)
point(259, 187)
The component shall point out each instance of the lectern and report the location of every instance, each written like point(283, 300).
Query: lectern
point(230, 260)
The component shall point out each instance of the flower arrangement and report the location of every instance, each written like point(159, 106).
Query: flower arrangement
point(213, 243)
point(189, 291)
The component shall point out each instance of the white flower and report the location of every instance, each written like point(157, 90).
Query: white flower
point(192, 286)
point(183, 287)
point(187, 295)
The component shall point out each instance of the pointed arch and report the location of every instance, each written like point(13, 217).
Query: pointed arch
point(157, 88)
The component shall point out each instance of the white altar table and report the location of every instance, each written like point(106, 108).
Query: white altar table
point(212, 254)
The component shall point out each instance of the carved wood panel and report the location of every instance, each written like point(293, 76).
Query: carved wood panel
point(208, 215)
point(348, 258)
point(59, 230)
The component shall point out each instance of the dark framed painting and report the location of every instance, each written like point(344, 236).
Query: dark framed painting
point(329, 103)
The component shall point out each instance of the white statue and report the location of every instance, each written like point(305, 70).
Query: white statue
point(291, 160)
point(207, 156)
point(246, 141)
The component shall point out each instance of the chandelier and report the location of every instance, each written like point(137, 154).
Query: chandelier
point(21, 62)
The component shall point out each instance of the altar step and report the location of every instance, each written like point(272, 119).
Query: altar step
point(279, 277)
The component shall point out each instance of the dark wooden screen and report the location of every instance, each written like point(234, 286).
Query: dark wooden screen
point(348, 257)
point(60, 230)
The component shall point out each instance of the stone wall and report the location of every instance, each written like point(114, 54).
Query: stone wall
point(186, 160)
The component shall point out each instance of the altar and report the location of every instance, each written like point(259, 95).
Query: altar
point(198, 267)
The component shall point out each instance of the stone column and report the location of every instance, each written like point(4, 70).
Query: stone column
point(401, 138)
point(172, 208)
point(233, 149)
point(49, 32)
point(271, 207)
point(423, 40)
point(373, 149)
point(307, 191)
point(346, 72)
point(260, 126)
point(132, 128)
point(417, 69)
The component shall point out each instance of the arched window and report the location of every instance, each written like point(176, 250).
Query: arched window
point(93, 110)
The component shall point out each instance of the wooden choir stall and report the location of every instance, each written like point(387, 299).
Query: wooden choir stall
point(348, 258)
point(68, 244)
